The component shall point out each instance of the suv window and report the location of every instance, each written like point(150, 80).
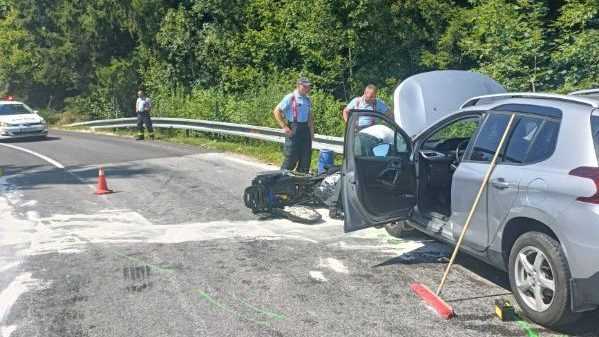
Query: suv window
point(521, 138)
point(532, 139)
point(595, 130)
point(380, 140)
point(450, 136)
point(489, 137)
point(544, 145)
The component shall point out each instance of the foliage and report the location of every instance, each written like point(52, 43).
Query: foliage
point(576, 58)
point(501, 38)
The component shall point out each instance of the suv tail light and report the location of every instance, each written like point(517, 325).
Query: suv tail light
point(590, 173)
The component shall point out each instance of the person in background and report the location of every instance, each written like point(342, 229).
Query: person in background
point(143, 107)
point(294, 116)
point(365, 142)
point(368, 101)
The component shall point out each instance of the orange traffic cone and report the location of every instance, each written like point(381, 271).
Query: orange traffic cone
point(102, 185)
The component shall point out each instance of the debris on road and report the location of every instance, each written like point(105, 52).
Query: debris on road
point(504, 310)
point(317, 276)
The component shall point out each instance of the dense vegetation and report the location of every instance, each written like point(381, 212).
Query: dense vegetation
point(234, 59)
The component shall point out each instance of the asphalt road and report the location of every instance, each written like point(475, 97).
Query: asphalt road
point(175, 253)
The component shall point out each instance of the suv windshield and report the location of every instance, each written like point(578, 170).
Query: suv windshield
point(13, 109)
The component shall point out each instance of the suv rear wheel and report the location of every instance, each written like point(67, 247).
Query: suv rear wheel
point(539, 277)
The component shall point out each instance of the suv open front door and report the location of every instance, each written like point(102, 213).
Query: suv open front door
point(379, 180)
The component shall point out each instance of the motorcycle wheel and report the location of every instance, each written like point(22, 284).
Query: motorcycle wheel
point(301, 214)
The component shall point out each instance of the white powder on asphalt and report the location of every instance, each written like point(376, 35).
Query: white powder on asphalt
point(334, 265)
point(6, 331)
point(18, 286)
point(8, 266)
point(317, 276)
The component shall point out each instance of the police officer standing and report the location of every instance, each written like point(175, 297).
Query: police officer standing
point(143, 107)
point(294, 116)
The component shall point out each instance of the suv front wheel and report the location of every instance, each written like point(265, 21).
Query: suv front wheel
point(539, 277)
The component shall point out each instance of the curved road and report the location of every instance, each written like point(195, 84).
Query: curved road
point(175, 253)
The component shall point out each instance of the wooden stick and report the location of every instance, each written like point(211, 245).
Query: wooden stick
point(475, 204)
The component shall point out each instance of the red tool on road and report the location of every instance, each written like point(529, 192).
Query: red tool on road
point(102, 187)
point(433, 299)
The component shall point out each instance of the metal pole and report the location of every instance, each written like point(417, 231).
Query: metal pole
point(475, 204)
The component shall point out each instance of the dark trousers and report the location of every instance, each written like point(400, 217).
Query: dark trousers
point(298, 148)
point(144, 118)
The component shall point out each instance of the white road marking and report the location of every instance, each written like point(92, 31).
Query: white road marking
point(33, 153)
point(9, 266)
point(18, 286)
point(30, 203)
point(236, 159)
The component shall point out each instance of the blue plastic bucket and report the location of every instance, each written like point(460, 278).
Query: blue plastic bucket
point(326, 159)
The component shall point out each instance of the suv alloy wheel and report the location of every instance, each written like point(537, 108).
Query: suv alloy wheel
point(539, 277)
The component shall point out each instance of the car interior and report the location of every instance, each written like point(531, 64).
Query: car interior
point(438, 157)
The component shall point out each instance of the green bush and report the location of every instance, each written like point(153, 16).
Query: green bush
point(252, 107)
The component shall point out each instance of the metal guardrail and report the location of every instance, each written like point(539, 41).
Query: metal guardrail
point(242, 130)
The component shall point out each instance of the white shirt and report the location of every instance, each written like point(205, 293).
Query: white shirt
point(360, 103)
point(143, 104)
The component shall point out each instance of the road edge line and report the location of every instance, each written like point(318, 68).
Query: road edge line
point(35, 154)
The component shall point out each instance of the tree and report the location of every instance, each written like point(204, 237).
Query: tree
point(576, 55)
point(17, 60)
point(503, 39)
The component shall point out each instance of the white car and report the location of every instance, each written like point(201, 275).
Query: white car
point(17, 120)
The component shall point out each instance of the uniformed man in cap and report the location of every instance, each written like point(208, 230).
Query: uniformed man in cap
point(143, 107)
point(294, 116)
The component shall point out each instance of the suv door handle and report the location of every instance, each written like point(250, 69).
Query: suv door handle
point(500, 183)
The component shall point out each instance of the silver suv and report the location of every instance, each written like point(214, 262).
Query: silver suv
point(538, 218)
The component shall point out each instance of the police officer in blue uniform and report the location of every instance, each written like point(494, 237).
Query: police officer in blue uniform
point(143, 107)
point(294, 116)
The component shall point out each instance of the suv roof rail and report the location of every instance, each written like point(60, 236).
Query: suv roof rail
point(572, 99)
point(585, 92)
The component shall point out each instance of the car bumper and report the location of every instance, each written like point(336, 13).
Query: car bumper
point(585, 295)
point(23, 132)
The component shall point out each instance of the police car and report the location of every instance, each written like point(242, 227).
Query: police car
point(17, 120)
